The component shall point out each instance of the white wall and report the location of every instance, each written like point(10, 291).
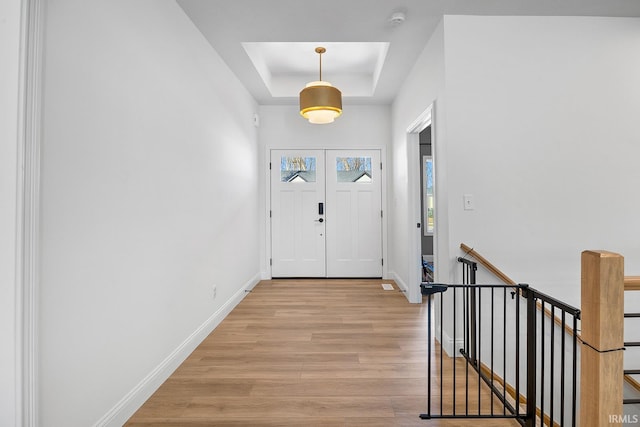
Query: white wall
point(542, 130)
point(423, 87)
point(9, 68)
point(360, 126)
point(149, 197)
point(534, 117)
point(282, 127)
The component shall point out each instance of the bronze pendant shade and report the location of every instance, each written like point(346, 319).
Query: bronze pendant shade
point(320, 102)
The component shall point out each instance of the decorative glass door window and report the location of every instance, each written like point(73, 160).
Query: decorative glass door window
point(297, 169)
point(353, 169)
point(428, 195)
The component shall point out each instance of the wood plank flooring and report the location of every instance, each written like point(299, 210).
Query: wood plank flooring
point(306, 353)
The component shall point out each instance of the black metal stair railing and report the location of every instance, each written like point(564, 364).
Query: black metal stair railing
point(509, 356)
point(630, 401)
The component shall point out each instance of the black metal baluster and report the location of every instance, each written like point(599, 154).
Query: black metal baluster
point(474, 329)
point(575, 370)
point(552, 344)
point(504, 352)
point(531, 359)
point(517, 339)
point(542, 321)
point(441, 347)
point(429, 355)
point(453, 359)
point(562, 364)
point(492, 345)
point(479, 350)
point(466, 365)
point(430, 290)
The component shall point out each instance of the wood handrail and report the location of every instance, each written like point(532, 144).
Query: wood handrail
point(492, 268)
point(506, 279)
point(632, 382)
point(632, 283)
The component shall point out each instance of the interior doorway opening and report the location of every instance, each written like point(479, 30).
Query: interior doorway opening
point(421, 128)
point(427, 204)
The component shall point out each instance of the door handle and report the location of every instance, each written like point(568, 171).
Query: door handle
point(320, 220)
point(320, 208)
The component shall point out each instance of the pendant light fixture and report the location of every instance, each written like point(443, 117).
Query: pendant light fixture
point(320, 102)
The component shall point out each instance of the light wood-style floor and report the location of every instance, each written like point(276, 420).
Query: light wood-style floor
point(306, 353)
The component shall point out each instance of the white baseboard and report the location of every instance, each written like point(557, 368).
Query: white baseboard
point(133, 400)
point(448, 344)
point(402, 285)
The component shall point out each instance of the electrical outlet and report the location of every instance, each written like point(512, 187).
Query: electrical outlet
point(215, 291)
point(469, 204)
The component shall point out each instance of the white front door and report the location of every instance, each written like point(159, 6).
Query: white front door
point(332, 234)
point(297, 226)
point(354, 213)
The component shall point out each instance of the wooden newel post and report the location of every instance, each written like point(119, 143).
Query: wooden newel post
point(602, 320)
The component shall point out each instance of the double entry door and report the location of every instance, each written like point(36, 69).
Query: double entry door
point(326, 213)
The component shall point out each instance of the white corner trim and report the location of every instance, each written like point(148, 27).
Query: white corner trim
point(133, 400)
point(28, 210)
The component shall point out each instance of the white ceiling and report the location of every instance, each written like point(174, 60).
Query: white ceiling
point(269, 44)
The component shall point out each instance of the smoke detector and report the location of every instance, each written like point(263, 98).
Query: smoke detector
point(397, 18)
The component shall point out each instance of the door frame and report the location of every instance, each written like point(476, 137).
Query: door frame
point(266, 155)
point(414, 211)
